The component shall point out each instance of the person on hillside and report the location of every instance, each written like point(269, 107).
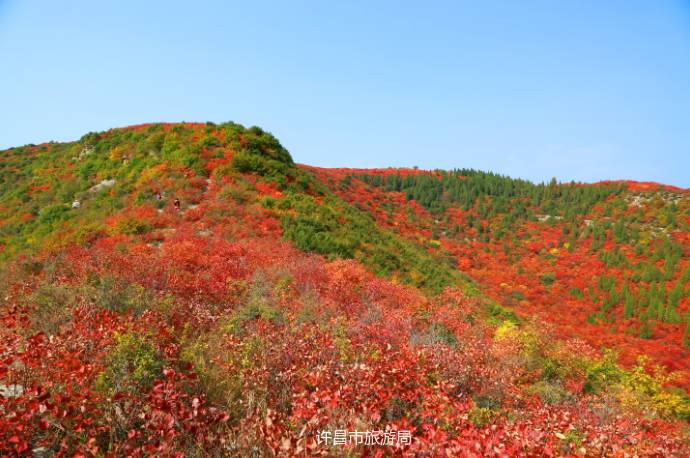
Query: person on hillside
point(177, 204)
point(158, 196)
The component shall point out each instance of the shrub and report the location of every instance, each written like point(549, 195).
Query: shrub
point(201, 352)
point(239, 190)
point(52, 306)
point(439, 333)
point(602, 373)
point(130, 226)
point(506, 329)
point(550, 392)
point(547, 278)
point(646, 331)
point(174, 152)
point(481, 416)
point(52, 214)
point(397, 408)
point(131, 366)
point(577, 293)
point(342, 342)
point(247, 162)
point(258, 305)
point(571, 441)
point(640, 390)
point(497, 313)
point(115, 294)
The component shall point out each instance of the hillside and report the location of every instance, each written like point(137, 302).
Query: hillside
point(609, 263)
point(188, 290)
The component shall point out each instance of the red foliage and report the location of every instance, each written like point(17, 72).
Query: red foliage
point(298, 343)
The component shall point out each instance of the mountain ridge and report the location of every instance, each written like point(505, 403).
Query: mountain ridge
point(639, 185)
point(428, 301)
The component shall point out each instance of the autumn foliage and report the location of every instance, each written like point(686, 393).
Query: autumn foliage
point(279, 301)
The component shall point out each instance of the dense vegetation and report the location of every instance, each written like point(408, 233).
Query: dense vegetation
point(187, 290)
point(492, 194)
point(615, 258)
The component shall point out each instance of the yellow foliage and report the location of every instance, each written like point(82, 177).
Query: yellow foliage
point(116, 153)
point(642, 391)
point(507, 329)
point(669, 405)
point(151, 173)
point(480, 416)
point(527, 340)
point(342, 343)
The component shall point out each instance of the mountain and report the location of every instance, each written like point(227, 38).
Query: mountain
point(189, 290)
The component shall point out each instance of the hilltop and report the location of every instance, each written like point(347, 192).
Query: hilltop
point(189, 290)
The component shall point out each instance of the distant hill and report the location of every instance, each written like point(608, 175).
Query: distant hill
point(188, 290)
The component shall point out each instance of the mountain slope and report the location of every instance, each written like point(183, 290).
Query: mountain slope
point(608, 262)
point(186, 289)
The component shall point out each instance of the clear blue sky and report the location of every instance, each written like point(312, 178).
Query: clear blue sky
point(582, 90)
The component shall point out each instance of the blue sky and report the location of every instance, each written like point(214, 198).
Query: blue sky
point(582, 90)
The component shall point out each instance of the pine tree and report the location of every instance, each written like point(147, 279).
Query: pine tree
point(646, 331)
point(686, 334)
point(628, 303)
